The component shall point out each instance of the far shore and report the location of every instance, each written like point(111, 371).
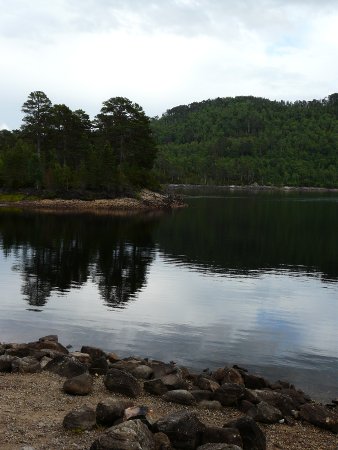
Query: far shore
point(250, 187)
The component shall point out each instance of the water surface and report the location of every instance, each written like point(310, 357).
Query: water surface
point(235, 278)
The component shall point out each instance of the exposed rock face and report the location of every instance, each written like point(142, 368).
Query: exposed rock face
point(183, 429)
point(122, 382)
point(80, 385)
point(230, 394)
point(221, 435)
point(320, 416)
point(179, 396)
point(66, 366)
point(130, 435)
point(110, 410)
point(252, 436)
point(80, 419)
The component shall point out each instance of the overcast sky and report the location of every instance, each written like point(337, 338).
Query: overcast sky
point(164, 53)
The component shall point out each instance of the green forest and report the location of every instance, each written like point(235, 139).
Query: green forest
point(225, 141)
point(249, 140)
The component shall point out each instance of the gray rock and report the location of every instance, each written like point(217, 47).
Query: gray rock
point(160, 369)
point(201, 395)
point(210, 404)
point(26, 365)
point(174, 381)
point(110, 410)
point(99, 366)
point(130, 435)
point(280, 401)
point(179, 396)
point(122, 382)
point(252, 436)
point(50, 337)
point(6, 362)
point(265, 413)
point(230, 394)
point(206, 384)
point(82, 419)
point(183, 429)
point(80, 385)
point(93, 352)
point(155, 387)
point(221, 435)
point(66, 366)
point(142, 372)
point(319, 416)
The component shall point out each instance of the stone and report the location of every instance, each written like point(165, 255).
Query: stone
point(162, 442)
point(201, 395)
point(6, 362)
point(183, 428)
point(155, 387)
point(110, 410)
point(174, 381)
point(44, 361)
point(206, 384)
point(93, 352)
point(215, 405)
point(142, 372)
point(266, 413)
point(50, 337)
point(160, 369)
point(280, 401)
point(252, 436)
point(298, 397)
point(221, 435)
point(26, 365)
point(179, 396)
point(254, 381)
point(48, 345)
point(319, 416)
point(80, 385)
point(122, 383)
point(130, 435)
point(84, 358)
point(82, 419)
point(128, 365)
point(227, 375)
point(230, 394)
point(219, 447)
point(19, 350)
point(66, 366)
point(99, 366)
point(112, 357)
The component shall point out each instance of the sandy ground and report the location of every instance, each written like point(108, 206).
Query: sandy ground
point(32, 408)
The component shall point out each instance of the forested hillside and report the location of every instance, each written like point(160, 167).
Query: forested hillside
point(60, 149)
point(246, 140)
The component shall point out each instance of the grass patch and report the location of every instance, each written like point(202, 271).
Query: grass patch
point(13, 198)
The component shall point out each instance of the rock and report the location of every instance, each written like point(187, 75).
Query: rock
point(206, 384)
point(160, 369)
point(27, 448)
point(93, 352)
point(254, 381)
point(66, 366)
point(201, 395)
point(280, 401)
point(6, 362)
point(108, 411)
point(266, 413)
point(99, 366)
point(320, 416)
point(19, 350)
point(252, 436)
point(44, 361)
point(162, 442)
point(183, 428)
point(219, 447)
point(142, 372)
point(80, 385)
point(245, 406)
point(179, 396)
point(221, 435)
point(84, 358)
point(130, 435)
point(50, 337)
point(26, 365)
point(174, 381)
point(128, 365)
point(210, 404)
point(82, 419)
point(298, 397)
point(155, 387)
point(122, 382)
point(112, 357)
point(2, 349)
point(227, 375)
point(230, 394)
point(48, 345)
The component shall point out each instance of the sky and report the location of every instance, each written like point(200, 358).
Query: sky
point(164, 53)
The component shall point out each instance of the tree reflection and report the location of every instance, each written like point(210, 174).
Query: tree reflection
point(60, 252)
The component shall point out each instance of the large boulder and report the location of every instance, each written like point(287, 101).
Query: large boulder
point(110, 410)
point(93, 352)
point(179, 396)
point(230, 394)
point(207, 384)
point(183, 428)
point(254, 381)
point(130, 435)
point(280, 401)
point(252, 436)
point(227, 375)
point(320, 416)
point(99, 366)
point(80, 385)
point(48, 344)
point(65, 366)
point(174, 381)
point(221, 435)
point(122, 382)
point(82, 419)
point(265, 413)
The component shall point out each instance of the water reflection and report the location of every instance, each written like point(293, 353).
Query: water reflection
point(60, 252)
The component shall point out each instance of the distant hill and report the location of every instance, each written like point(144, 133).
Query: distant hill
point(246, 140)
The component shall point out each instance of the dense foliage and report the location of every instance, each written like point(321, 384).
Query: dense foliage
point(246, 140)
point(60, 149)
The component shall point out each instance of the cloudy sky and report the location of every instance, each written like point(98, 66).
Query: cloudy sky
point(162, 53)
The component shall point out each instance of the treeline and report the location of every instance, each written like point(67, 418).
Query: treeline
point(60, 149)
point(247, 140)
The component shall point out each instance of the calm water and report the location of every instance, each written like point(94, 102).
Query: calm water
point(235, 278)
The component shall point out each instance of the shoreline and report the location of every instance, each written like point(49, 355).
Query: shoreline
point(33, 380)
point(251, 188)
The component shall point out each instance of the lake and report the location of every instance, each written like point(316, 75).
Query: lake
point(235, 278)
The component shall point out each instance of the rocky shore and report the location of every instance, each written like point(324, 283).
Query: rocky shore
point(55, 399)
point(145, 201)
